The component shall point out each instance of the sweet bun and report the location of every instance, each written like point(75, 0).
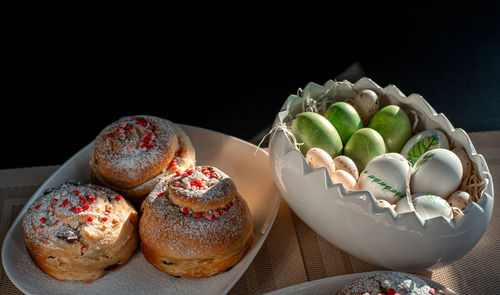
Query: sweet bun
point(79, 232)
point(388, 282)
point(131, 154)
point(195, 223)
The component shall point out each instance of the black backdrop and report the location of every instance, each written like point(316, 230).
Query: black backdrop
point(232, 75)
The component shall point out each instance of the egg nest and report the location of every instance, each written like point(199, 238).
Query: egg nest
point(472, 183)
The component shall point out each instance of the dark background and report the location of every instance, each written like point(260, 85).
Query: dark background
point(232, 74)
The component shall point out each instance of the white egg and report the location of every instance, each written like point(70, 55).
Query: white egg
point(366, 104)
point(460, 199)
point(317, 157)
point(437, 172)
point(466, 163)
point(340, 176)
point(426, 205)
point(422, 142)
point(345, 163)
point(385, 177)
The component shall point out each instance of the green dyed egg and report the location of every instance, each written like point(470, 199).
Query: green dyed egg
point(394, 125)
point(314, 130)
point(364, 145)
point(344, 118)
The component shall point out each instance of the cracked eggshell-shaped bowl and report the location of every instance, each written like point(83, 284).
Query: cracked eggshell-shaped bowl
point(352, 220)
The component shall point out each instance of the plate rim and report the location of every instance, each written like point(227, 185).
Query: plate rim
point(352, 276)
point(269, 221)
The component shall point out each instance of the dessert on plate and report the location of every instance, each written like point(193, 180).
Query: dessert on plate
point(131, 154)
point(195, 223)
point(80, 231)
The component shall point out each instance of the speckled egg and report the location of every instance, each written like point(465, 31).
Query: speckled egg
point(422, 142)
point(437, 172)
point(460, 199)
point(385, 177)
point(345, 163)
point(317, 157)
point(426, 205)
point(366, 104)
point(466, 163)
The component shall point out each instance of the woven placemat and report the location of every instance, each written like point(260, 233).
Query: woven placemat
point(16, 187)
point(293, 253)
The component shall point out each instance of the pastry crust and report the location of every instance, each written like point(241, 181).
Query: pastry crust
point(79, 232)
point(217, 191)
point(205, 233)
point(133, 153)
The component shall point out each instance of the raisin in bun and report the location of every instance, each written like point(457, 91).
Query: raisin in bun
point(131, 154)
point(79, 232)
point(195, 223)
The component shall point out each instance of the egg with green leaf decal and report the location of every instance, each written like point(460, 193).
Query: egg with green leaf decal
point(436, 172)
point(426, 205)
point(422, 142)
point(385, 177)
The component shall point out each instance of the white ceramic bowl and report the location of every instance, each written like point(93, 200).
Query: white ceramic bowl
point(352, 220)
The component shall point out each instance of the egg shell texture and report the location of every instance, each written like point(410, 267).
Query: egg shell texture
point(422, 142)
point(340, 176)
point(344, 118)
point(394, 125)
point(366, 104)
point(313, 130)
point(345, 163)
point(317, 157)
point(385, 177)
point(364, 145)
point(437, 172)
point(426, 205)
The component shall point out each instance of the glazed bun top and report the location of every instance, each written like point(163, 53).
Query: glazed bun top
point(134, 149)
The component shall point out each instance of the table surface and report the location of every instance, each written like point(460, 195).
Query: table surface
point(293, 253)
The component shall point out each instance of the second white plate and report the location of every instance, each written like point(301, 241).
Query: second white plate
point(333, 284)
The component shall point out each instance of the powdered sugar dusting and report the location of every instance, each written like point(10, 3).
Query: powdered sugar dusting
point(202, 231)
point(131, 145)
point(202, 184)
point(387, 283)
point(138, 276)
point(70, 212)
